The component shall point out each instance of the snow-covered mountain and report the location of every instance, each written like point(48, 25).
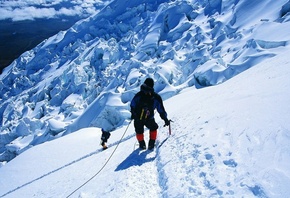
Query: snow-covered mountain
point(229, 140)
point(87, 75)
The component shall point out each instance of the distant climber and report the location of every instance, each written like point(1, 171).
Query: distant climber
point(104, 138)
point(142, 106)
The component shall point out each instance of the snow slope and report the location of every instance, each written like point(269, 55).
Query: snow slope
point(228, 140)
point(87, 75)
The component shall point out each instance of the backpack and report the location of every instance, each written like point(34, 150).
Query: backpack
point(145, 109)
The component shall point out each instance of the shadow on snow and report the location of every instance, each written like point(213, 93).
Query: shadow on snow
point(64, 166)
point(136, 158)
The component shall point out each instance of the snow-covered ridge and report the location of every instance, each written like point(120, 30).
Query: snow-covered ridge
point(229, 140)
point(87, 75)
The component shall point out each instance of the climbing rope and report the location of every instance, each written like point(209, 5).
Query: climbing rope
point(103, 165)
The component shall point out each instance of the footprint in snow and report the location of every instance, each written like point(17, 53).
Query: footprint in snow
point(230, 163)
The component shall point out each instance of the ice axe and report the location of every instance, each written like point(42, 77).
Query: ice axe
point(169, 127)
point(168, 135)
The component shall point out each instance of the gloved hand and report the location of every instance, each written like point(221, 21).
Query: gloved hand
point(167, 122)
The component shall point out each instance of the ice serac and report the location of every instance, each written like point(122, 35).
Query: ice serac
point(95, 67)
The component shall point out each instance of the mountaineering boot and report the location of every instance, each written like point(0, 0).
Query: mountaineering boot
point(151, 144)
point(142, 145)
point(140, 138)
point(104, 145)
point(153, 135)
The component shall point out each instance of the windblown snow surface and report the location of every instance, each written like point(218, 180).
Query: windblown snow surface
point(222, 68)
